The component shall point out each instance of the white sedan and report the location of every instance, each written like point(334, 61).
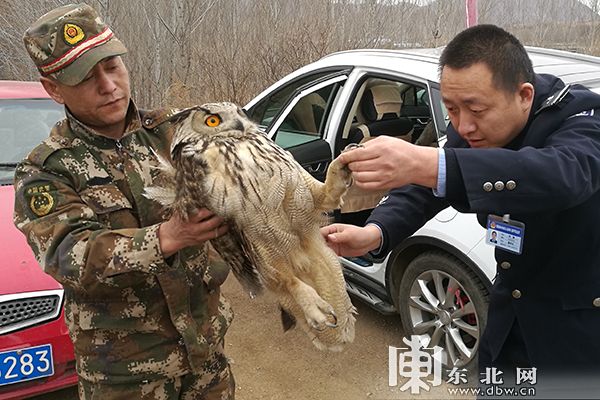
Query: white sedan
point(438, 279)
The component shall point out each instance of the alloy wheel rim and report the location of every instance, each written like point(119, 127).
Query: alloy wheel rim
point(442, 314)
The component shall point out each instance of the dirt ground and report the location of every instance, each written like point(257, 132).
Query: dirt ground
point(270, 365)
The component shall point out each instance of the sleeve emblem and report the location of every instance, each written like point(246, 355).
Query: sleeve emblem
point(40, 199)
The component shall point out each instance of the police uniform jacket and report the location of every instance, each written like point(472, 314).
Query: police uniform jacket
point(132, 314)
point(548, 177)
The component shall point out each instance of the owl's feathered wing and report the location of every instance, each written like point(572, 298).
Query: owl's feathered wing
point(236, 251)
point(233, 247)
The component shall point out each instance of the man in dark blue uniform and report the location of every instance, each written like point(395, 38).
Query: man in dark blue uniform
point(523, 153)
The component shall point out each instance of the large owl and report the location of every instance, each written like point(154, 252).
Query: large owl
point(274, 208)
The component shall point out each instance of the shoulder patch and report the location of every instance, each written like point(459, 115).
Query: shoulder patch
point(40, 198)
point(586, 113)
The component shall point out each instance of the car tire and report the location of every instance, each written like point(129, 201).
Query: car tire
point(444, 303)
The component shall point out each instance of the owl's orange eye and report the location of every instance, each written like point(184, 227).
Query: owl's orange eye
point(212, 120)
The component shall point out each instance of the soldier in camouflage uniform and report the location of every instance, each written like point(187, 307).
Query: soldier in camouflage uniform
point(143, 306)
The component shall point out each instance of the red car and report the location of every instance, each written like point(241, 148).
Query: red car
point(36, 353)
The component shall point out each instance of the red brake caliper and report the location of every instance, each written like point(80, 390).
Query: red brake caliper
point(460, 300)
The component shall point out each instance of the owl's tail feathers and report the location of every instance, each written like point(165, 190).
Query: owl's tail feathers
point(234, 250)
point(287, 319)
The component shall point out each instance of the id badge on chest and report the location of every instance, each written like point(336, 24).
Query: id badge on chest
point(504, 233)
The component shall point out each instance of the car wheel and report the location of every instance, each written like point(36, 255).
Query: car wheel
point(444, 303)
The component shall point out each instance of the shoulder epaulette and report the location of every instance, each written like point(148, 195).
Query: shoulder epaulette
point(151, 119)
point(51, 144)
point(554, 99)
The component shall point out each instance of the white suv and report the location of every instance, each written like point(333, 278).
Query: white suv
point(438, 279)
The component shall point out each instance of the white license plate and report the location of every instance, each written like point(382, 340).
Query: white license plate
point(26, 364)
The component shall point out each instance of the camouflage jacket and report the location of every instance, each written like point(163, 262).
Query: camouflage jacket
point(132, 315)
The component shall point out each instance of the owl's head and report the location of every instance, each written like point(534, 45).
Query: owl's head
point(211, 121)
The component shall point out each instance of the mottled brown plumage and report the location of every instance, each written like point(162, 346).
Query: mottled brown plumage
point(274, 209)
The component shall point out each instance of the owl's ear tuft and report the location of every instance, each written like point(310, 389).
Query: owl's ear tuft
point(242, 113)
point(181, 115)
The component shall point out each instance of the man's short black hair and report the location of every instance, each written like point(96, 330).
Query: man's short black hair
point(502, 52)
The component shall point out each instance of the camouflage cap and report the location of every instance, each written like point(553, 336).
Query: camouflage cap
point(68, 41)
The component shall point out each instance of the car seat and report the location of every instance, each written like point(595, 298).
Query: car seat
point(380, 107)
point(307, 115)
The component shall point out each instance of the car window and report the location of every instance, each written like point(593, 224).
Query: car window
point(385, 106)
point(422, 97)
point(409, 96)
point(442, 117)
point(445, 114)
point(306, 120)
point(24, 123)
point(265, 111)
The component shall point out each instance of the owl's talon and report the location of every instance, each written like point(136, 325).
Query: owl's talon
point(350, 182)
point(322, 325)
point(352, 146)
point(318, 327)
point(335, 320)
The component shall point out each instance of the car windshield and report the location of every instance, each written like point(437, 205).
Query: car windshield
point(24, 123)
